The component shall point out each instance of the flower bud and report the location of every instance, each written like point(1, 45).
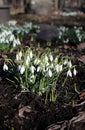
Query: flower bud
point(5, 67)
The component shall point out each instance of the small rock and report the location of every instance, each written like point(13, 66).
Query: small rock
point(47, 34)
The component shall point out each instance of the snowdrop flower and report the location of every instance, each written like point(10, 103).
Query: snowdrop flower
point(57, 68)
point(46, 59)
point(79, 38)
point(81, 28)
point(51, 58)
point(32, 78)
point(43, 90)
point(56, 60)
point(70, 64)
point(18, 42)
point(60, 68)
point(46, 69)
point(22, 69)
point(32, 68)
point(11, 38)
point(75, 27)
point(77, 31)
point(2, 40)
point(47, 64)
point(14, 43)
point(31, 54)
point(67, 40)
point(50, 73)
point(27, 62)
point(28, 58)
point(36, 61)
point(5, 67)
point(60, 35)
point(69, 73)
point(19, 67)
point(19, 55)
point(51, 65)
point(38, 68)
point(74, 72)
point(7, 41)
point(65, 62)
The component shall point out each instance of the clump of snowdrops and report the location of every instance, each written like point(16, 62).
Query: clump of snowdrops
point(11, 34)
point(39, 73)
point(72, 36)
point(8, 40)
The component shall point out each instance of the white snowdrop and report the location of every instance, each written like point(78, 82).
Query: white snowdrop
point(19, 67)
point(70, 64)
point(32, 78)
point(69, 73)
point(60, 68)
point(57, 68)
point(47, 64)
point(46, 59)
point(32, 68)
point(5, 67)
point(11, 38)
point(27, 62)
point(14, 43)
point(28, 58)
point(19, 55)
point(31, 54)
point(22, 69)
point(18, 42)
point(38, 68)
point(51, 58)
point(56, 60)
point(74, 72)
point(65, 62)
point(36, 61)
point(50, 73)
point(51, 65)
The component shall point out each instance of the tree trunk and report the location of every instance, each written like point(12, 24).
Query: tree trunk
point(1, 2)
point(56, 4)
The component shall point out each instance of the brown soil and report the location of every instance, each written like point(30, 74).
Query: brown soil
point(27, 111)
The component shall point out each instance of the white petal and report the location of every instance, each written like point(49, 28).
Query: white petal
point(31, 55)
point(57, 68)
point(32, 68)
point(69, 73)
point(70, 64)
point(51, 58)
point(74, 72)
point(60, 68)
point(5, 67)
point(50, 73)
point(27, 62)
point(22, 69)
point(38, 68)
point(46, 59)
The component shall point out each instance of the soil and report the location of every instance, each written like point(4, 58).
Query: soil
point(53, 19)
point(28, 111)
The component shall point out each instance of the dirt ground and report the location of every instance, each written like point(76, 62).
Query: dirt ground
point(27, 111)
